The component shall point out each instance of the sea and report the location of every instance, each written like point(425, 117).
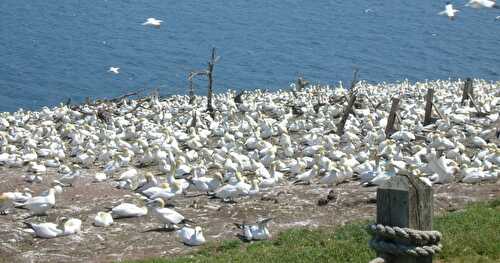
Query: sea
point(55, 50)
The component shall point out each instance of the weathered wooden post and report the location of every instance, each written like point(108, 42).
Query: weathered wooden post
point(403, 233)
point(301, 83)
point(389, 129)
point(347, 111)
point(191, 88)
point(210, 71)
point(470, 92)
point(428, 107)
point(465, 90)
point(350, 104)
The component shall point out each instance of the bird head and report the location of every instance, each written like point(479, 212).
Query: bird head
point(149, 177)
point(4, 198)
point(198, 230)
point(158, 202)
point(165, 186)
point(219, 177)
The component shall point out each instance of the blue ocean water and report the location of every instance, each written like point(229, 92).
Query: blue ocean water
point(51, 50)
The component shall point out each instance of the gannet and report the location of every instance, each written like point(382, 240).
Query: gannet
point(152, 22)
point(36, 168)
point(206, 183)
point(258, 231)
point(45, 230)
point(125, 210)
point(333, 176)
point(100, 177)
point(103, 219)
point(129, 174)
point(443, 173)
point(190, 236)
point(114, 70)
point(39, 205)
point(150, 182)
point(307, 176)
point(449, 11)
point(168, 217)
point(71, 226)
point(482, 4)
point(6, 203)
point(163, 191)
point(70, 178)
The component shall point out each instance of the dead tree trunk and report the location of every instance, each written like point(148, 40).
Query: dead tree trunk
point(210, 71)
point(209, 74)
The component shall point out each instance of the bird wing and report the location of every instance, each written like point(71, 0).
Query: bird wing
point(448, 9)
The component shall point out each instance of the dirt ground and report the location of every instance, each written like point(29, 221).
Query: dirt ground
point(138, 238)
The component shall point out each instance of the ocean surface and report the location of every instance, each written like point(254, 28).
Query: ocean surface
point(52, 50)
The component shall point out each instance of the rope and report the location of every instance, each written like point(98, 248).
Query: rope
point(389, 241)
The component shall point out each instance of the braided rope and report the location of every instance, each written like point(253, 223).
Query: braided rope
point(404, 241)
point(405, 235)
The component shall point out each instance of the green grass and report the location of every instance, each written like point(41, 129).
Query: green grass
point(471, 235)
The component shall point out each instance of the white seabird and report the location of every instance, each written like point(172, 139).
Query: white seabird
point(167, 216)
point(45, 230)
point(128, 210)
point(103, 219)
point(114, 70)
point(153, 22)
point(449, 11)
point(191, 236)
point(257, 231)
point(482, 4)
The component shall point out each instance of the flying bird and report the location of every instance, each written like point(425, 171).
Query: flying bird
point(449, 11)
point(482, 4)
point(114, 70)
point(153, 22)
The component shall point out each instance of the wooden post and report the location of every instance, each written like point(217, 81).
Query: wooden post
point(465, 90)
point(210, 71)
point(428, 107)
point(191, 90)
point(470, 92)
point(301, 83)
point(347, 110)
point(405, 201)
point(389, 129)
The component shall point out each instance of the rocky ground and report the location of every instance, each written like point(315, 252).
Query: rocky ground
point(137, 238)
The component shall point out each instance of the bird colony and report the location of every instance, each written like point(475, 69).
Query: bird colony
point(160, 150)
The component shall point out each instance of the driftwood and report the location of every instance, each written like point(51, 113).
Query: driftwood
point(120, 98)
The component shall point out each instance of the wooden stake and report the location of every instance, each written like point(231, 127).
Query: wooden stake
point(465, 90)
point(438, 111)
point(347, 110)
point(470, 92)
point(389, 129)
point(210, 71)
point(428, 107)
point(405, 201)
